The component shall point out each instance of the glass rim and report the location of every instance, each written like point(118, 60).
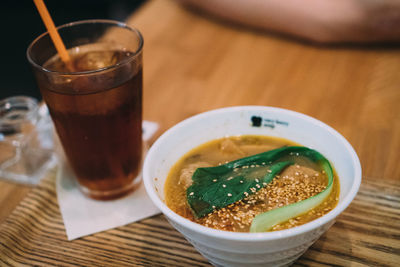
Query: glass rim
point(9, 103)
point(89, 21)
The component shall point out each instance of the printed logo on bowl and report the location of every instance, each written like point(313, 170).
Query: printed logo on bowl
point(258, 121)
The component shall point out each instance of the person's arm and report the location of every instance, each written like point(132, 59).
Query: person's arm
point(324, 21)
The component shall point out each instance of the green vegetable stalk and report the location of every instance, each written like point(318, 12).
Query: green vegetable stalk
point(217, 187)
point(265, 221)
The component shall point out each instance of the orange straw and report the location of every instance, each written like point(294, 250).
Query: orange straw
point(55, 37)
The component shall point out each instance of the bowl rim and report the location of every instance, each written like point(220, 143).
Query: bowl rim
point(206, 231)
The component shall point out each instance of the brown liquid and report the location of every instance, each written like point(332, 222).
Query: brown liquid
point(99, 121)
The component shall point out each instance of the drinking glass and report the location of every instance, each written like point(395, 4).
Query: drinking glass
point(95, 102)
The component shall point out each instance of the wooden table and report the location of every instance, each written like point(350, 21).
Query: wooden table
point(193, 64)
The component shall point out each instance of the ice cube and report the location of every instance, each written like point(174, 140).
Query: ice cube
point(96, 60)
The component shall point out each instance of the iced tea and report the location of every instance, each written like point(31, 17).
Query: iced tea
point(100, 131)
point(96, 105)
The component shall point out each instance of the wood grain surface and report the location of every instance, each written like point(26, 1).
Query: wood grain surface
point(194, 63)
point(366, 234)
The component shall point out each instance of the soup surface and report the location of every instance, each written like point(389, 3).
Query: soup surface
point(295, 183)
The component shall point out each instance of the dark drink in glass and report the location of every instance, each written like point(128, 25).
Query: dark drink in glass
point(97, 106)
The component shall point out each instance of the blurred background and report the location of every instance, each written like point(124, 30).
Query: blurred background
point(22, 24)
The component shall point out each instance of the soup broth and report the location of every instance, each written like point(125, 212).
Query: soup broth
point(295, 183)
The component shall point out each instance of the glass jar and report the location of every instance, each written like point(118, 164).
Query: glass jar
point(26, 140)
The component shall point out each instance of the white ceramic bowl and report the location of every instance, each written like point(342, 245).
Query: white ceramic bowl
point(278, 248)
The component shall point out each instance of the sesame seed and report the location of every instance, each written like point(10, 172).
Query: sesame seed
point(224, 185)
point(214, 180)
point(282, 190)
point(191, 194)
point(257, 181)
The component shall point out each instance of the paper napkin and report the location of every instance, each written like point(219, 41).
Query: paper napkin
point(84, 216)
